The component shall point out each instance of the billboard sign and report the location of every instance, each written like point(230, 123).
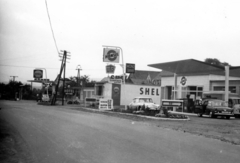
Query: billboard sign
point(130, 68)
point(111, 55)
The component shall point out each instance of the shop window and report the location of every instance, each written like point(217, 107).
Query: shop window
point(232, 89)
point(199, 92)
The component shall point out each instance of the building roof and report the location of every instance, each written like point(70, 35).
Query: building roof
point(193, 67)
point(142, 77)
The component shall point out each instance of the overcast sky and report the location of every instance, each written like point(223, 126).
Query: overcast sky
point(148, 31)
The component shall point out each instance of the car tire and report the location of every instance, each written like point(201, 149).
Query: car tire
point(212, 115)
point(139, 107)
point(199, 115)
point(228, 117)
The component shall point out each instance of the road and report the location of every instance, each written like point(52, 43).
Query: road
point(57, 134)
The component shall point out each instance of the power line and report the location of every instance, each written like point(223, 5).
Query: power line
point(49, 67)
point(51, 27)
point(23, 66)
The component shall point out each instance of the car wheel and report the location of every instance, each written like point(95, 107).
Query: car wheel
point(199, 115)
point(212, 115)
point(228, 117)
point(139, 107)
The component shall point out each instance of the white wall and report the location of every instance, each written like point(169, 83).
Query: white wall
point(202, 80)
point(107, 90)
point(128, 92)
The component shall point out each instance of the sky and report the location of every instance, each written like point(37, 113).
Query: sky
point(148, 31)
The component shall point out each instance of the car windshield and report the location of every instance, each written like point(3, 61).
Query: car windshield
point(145, 100)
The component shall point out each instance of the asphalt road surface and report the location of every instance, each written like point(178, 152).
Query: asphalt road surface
point(54, 134)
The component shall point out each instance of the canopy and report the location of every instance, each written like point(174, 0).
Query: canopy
point(187, 66)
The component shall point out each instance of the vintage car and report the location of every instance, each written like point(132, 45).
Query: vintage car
point(236, 111)
point(214, 108)
point(143, 103)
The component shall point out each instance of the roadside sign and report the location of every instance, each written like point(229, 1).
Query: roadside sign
point(38, 73)
point(130, 68)
point(69, 91)
point(105, 104)
point(172, 103)
point(117, 81)
point(110, 69)
point(111, 55)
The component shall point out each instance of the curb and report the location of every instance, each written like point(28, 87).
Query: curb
point(136, 115)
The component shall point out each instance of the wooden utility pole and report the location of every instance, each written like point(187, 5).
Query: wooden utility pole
point(78, 80)
point(62, 68)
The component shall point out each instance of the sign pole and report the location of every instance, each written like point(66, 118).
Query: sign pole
point(45, 76)
point(122, 59)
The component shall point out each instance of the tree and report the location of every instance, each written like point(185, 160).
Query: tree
point(215, 61)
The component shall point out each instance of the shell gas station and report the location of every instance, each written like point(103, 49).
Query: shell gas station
point(174, 80)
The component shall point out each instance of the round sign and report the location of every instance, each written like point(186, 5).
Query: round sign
point(183, 80)
point(112, 55)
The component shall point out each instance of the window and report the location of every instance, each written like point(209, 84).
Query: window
point(99, 90)
point(232, 89)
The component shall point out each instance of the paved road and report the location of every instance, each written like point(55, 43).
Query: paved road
point(56, 134)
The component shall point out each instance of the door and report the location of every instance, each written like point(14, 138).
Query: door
point(116, 94)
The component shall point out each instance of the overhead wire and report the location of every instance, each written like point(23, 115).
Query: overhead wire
point(51, 27)
point(47, 67)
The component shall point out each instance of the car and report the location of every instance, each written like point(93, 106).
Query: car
point(143, 103)
point(214, 108)
point(236, 111)
point(233, 101)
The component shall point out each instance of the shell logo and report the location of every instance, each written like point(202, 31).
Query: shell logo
point(183, 80)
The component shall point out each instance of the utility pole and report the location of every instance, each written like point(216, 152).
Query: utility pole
point(78, 79)
point(64, 57)
point(13, 78)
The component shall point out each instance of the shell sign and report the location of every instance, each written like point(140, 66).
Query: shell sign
point(37, 73)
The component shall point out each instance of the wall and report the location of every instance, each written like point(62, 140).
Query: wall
point(202, 80)
point(129, 91)
point(107, 90)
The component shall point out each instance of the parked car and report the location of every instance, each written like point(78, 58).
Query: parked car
point(143, 103)
point(236, 111)
point(215, 108)
point(233, 101)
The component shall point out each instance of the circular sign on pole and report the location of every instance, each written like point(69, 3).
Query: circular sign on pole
point(37, 73)
point(111, 55)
